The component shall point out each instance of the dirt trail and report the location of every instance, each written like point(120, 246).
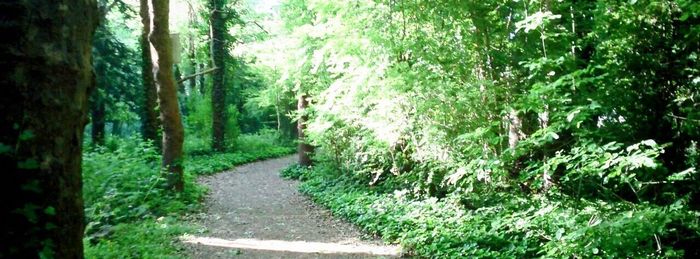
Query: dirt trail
point(253, 213)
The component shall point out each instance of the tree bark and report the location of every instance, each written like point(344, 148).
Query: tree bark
point(45, 74)
point(514, 128)
point(162, 56)
point(218, 94)
point(97, 114)
point(149, 119)
point(304, 149)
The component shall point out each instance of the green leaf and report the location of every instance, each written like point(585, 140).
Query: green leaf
point(50, 211)
point(26, 135)
point(28, 164)
point(5, 149)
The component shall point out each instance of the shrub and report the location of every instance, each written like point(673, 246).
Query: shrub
point(250, 148)
point(295, 172)
point(123, 189)
point(496, 224)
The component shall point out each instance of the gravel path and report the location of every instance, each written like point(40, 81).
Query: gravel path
point(253, 213)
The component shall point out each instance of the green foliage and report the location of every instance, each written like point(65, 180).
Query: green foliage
point(251, 148)
point(501, 129)
point(149, 238)
point(116, 65)
point(199, 125)
point(483, 96)
point(295, 172)
point(494, 224)
point(464, 128)
point(129, 211)
point(123, 189)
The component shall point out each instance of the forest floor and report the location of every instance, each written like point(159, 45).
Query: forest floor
point(252, 213)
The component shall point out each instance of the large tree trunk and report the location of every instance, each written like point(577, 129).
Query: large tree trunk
point(173, 132)
point(150, 120)
point(45, 76)
point(304, 149)
point(218, 94)
point(97, 114)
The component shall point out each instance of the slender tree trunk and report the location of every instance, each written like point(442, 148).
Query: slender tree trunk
point(182, 97)
point(45, 76)
point(149, 119)
point(514, 128)
point(162, 56)
point(278, 113)
point(304, 149)
point(202, 80)
point(97, 114)
point(116, 128)
point(192, 54)
point(178, 78)
point(218, 94)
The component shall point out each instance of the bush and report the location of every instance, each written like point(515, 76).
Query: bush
point(198, 123)
point(250, 148)
point(151, 238)
point(495, 224)
point(295, 172)
point(123, 189)
point(129, 212)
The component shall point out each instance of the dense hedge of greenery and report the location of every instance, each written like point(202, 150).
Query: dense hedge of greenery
point(512, 128)
point(129, 211)
point(499, 225)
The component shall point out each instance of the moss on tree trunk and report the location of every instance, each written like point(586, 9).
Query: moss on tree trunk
point(173, 132)
point(45, 75)
point(218, 93)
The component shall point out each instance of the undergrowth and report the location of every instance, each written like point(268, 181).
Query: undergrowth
point(500, 225)
point(130, 214)
point(249, 148)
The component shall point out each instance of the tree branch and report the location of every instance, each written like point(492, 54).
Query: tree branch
point(682, 118)
point(206, 71)
point(259, 26)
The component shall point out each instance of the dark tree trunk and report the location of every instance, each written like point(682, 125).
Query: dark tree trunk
point(182, 97)
point(45, 76)
point(178, 78)
point(218, 94)
point(173, 132)
point(97, 115)
point(150, 121)
point(304, 149)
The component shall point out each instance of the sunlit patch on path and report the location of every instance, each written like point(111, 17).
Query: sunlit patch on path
point(295, 246)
